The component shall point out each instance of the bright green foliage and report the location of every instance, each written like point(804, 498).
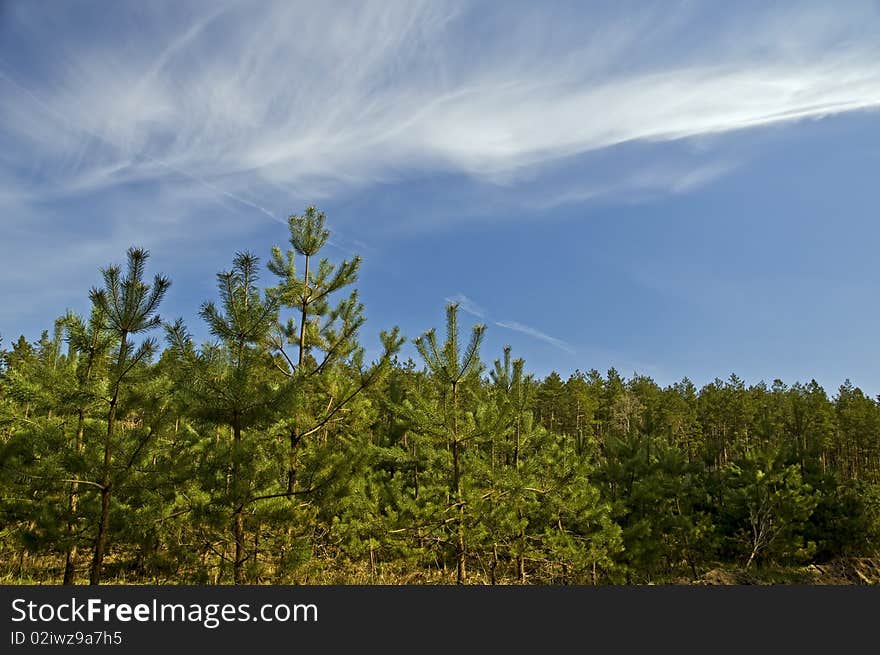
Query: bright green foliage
point(90, 344)
point(449, 412)
point(127, 306)
point(331, 332)
point(578, 540)
point(232, 383)
point(563, 531)
point(228, 381)
point(71, 384)
point(508, 477)
point(40, 385)
point(322, 423)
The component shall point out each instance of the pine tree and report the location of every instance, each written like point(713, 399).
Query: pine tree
point(233, 383)
point(550, 401)
point(768, 504)
point(38, 381)
point(327, 372)
point(128, 306)
point(513, 393)
point(446, 413)
point(91, 342)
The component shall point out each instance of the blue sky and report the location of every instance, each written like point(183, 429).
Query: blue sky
point(674, 189)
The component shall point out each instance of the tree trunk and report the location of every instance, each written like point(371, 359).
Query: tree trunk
point(460, 572)
point(103, 523)
point(460, 569)
point(101, 539)
point(238, 564)
point(237, 518)
point(70, 555)
point(516, 445)
point(521, 554)
point(494, 564)
point(294, 438)
point(304, 310)
point(752, 556)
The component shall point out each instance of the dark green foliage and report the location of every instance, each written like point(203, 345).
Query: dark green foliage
point(766, 504)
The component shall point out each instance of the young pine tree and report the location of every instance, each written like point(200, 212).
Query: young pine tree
point(129, 307)
point(326, 368)
point(447, 411)
point(91, 341)
point(36, 450)
point(513, 391)
point(232, 383)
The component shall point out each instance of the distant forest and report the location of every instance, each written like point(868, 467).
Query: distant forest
point(274, 453)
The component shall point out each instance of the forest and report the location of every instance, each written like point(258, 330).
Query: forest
point(275, 453)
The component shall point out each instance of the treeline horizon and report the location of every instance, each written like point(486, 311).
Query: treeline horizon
point(274, 453)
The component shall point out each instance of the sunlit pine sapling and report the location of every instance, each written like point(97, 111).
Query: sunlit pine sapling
point(231, 382)
point(129, 307)
point(513, 391)
point(450, 369)
point(325, 337)
point(91, 342)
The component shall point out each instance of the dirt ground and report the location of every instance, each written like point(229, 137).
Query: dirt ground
point(849, 571)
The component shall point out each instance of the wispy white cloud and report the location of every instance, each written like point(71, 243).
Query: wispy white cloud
point(701, 176)
point(537, 334)
point(314, 99)
point(651, 177)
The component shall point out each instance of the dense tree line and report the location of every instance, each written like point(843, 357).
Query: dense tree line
point(274, 453)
